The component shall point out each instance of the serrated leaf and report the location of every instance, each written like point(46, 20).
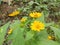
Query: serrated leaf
point(3, 31)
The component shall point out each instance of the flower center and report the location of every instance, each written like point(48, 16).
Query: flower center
point(37, 26)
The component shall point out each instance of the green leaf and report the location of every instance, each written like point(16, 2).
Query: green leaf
point(48, 42)
point(0, 1)
point(31, 3)
point(38, 37)
point(19, 39)
point(49, 24)
point(37, 0)
point(46, 13)
point(42, 35)
point(56, 31)
point(29, 35)
point(41, 18)
point(3, 31)
point(43, 39)
point(17, 34)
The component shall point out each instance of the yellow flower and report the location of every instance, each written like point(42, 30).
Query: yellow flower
point(23, 19)
point(51, 37)
point(35, 14)
point(10, 31)
point(14, 13)
point(37, 26)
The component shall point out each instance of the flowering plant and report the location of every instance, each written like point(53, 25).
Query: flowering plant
point(30, 29)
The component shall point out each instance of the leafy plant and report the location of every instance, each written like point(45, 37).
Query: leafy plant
point(32, 28)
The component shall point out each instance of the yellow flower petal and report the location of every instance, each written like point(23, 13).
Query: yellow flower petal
point(10, 31)
point(49, 37)
point(14, 13)
point(35, 14)
point(23, 19)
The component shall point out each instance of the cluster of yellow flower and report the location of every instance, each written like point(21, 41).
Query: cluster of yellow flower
point(36, 25)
